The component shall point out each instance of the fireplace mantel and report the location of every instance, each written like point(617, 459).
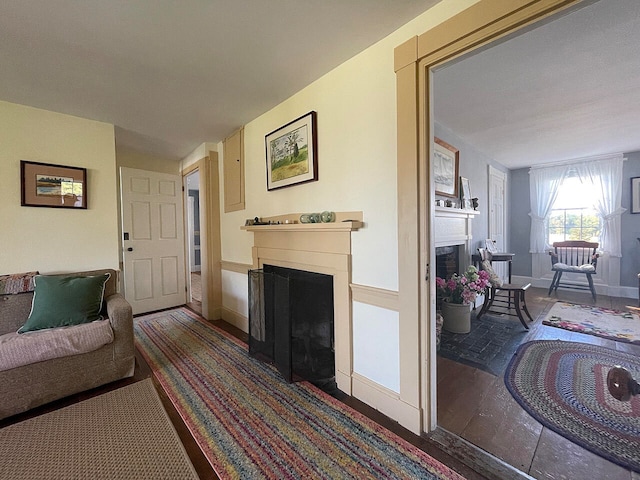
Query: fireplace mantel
point(452, 226)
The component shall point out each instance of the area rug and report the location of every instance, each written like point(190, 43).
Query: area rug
point(121, 435)
point(563, 385)
point(598, 321)
point(250, 423)
point(489, 345)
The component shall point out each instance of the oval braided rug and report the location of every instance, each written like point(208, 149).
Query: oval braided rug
point(563, 385)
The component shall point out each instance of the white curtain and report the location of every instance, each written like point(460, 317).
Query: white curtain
point(606, 177)
point(544, 184)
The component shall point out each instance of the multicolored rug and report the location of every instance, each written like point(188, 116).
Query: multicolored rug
point(598, 321)
point(563, 385)
point(250, 423)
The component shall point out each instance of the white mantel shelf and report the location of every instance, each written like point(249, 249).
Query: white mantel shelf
point(347, 226)
point(450, 211)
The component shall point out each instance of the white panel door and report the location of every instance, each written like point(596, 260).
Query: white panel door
point(153, 239)
point(497, 220)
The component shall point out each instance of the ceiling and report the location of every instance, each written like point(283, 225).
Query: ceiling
point(171, 75)
point(567, 89)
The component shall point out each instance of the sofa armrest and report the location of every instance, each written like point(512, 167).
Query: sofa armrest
point(121, 317)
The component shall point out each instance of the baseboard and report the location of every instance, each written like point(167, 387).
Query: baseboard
point(612, 291)
point(386, 401)
point(234, 318)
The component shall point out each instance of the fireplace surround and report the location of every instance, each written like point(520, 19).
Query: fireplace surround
point(320, 248)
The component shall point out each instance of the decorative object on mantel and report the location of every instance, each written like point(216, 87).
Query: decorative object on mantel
point(291, 153)
point(256, 221)
point(445, 168)
point(474, 203)
point(48, 185)
point(324, 217)
point(465, 193)
point(457, 294)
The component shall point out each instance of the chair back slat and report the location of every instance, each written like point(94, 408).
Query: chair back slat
point(576, 252)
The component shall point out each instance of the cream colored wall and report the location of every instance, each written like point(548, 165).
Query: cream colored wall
point(356, 154)
point(133, 159)
point(50, 239)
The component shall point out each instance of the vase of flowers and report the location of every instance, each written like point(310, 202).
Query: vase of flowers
point(457, 294)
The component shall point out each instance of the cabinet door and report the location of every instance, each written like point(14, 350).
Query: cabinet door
point(234, 172)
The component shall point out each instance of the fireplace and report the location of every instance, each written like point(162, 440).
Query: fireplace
point(291, 323)
point(447, 261)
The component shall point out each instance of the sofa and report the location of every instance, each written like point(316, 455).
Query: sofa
point(36, 383)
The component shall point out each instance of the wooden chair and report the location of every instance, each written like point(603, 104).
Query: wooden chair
point(576, 256)
point(495, 300)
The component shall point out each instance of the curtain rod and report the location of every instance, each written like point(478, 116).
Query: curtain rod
point(576, 161)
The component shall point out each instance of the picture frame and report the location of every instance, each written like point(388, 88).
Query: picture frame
point(445, 168)
point(292, 153)
point(465, 193)
point(53, 186)
point(635, 195)
point(491, 246)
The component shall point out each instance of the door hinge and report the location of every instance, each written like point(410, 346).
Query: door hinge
point(426, 277)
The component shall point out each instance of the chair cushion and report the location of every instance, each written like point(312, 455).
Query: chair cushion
point(61, 300)
point(494, 279)
point(586, 268)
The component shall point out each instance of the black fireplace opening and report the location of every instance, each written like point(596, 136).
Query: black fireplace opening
point(447, 261)
point(291, 323)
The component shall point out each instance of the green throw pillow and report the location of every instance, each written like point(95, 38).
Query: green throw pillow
point(61, 300)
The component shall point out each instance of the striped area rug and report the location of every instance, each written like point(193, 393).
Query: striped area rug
point(250, 423)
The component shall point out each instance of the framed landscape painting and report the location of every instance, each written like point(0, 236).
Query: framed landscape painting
point(292, 153)
point(445, 168)
point(48, 185)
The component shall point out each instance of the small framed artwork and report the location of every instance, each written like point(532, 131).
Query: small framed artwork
point(491, 246)
point(465, 193)
point(56, 186)
point(635, 195)
point(292, 156)
point(445, 168)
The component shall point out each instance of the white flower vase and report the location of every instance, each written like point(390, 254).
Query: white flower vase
point(457, 317)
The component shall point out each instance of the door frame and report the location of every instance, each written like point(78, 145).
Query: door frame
point(210, 243)
point(478, 25)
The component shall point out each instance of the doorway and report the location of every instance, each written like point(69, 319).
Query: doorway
point(194, 254)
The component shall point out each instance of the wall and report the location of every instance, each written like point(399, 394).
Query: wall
point(630, 231)
point(133, 159)
point(357, 156)
point(49, 239)
point(520, 222)
point(521, 225)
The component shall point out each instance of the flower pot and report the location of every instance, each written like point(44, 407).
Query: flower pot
point(457, 317)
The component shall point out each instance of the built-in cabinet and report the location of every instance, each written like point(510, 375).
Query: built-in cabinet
point(233, 148)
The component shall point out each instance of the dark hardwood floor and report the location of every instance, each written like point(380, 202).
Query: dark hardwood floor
point(478, 407)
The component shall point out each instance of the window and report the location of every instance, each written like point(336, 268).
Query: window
point(573, 216)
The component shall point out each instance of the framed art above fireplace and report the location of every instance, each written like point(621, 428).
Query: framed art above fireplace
point(445, 168)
